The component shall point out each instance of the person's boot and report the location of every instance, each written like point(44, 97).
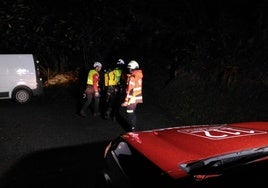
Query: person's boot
point(82, 113)
point(96, 114)
point(107, 115)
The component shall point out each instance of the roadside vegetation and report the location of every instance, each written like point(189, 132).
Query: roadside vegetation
point(204, 62)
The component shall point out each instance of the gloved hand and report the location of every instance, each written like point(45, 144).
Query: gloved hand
point(97, 94)
point(124, 104)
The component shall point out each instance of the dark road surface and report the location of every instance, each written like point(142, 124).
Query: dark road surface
point(46, 144)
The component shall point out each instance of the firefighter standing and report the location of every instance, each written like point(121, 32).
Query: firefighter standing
point(112, 81)
point(93, 90)
point(133, 93)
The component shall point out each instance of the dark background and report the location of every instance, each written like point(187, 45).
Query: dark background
point(203, 61)
point(46, 144)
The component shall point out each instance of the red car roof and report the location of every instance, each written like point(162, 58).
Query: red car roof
point(170, 147)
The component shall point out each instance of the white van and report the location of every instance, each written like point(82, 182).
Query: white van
point(19, 77)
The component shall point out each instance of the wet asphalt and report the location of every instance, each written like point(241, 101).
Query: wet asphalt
point(45, 143)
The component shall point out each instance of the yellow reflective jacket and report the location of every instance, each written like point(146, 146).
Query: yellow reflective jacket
point(93, 79)
point(112, 78)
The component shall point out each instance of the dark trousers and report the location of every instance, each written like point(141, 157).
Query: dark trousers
point(110, 101)
point(91, 98)
point(113, 102)
point(131, 116)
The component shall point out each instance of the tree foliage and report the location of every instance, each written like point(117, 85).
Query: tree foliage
point(195, 53)
point(196, 36)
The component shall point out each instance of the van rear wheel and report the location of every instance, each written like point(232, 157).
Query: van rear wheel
point(22, 95)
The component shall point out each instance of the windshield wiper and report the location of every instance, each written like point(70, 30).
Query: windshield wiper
point(220, 163)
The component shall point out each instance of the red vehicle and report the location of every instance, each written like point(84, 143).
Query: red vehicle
point(221, 155)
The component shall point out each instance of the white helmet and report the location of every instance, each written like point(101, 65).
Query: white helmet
point(97, 64)
point(133, 65)
point(120, 62)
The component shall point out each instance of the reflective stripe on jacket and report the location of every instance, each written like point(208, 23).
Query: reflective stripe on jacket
point(134, 88)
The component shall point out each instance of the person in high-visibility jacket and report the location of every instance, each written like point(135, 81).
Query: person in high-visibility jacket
point(112, 82)
point(133, 93)
point(92, 91)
